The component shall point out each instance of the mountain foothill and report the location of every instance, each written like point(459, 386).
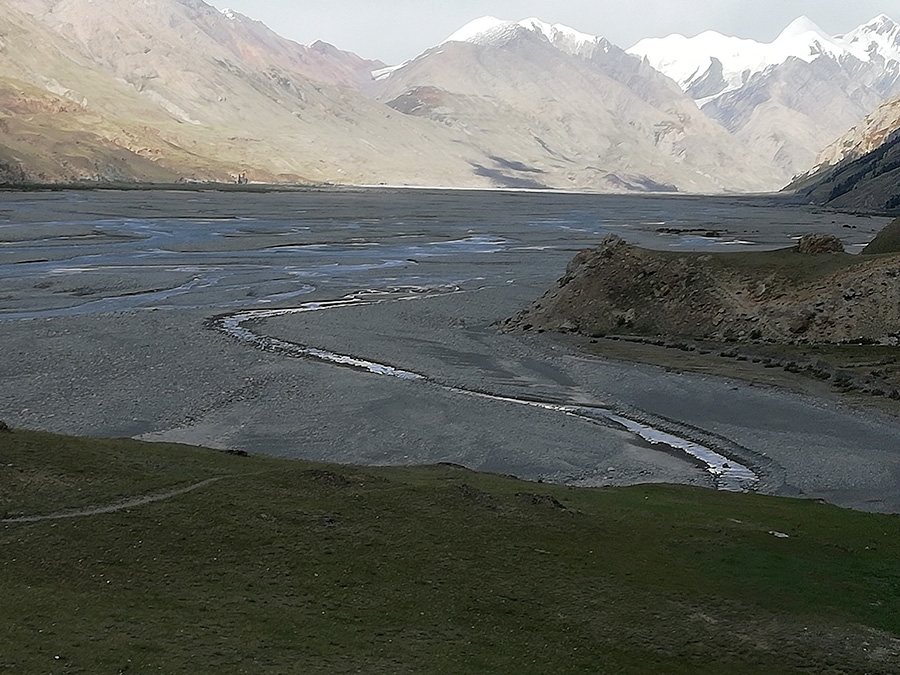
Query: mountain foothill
point(163, 91)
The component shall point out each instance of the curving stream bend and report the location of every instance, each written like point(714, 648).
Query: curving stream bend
point(728, 473)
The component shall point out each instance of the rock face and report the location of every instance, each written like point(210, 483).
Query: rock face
point(781, 296)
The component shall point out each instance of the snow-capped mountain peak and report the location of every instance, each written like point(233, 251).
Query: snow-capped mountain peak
point(804, 39)
point(687, 60)
point(801, 27)
point(880, 25)
point(880, 36)
point(477, 29)
point(489, 29)
point(559, 35)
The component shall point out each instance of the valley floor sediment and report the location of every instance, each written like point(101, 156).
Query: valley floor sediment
point(160, 372)
point(170, 378)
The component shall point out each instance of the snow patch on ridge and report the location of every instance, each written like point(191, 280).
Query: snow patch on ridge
point(880, 36)
point(384, 73)
point(561, 36)
point(476, 28)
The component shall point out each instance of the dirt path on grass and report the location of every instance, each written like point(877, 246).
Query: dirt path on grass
point(113, 508)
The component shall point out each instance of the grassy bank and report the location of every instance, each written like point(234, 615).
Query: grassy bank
point(285, 566)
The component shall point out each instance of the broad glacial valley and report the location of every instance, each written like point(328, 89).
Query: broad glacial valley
point(364, 327)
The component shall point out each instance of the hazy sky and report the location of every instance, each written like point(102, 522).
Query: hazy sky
point(396, 30)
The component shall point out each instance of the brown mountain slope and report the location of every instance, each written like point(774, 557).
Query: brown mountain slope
point(50, 129)
point(166, 66)
point(46, 138)
point(123, 39)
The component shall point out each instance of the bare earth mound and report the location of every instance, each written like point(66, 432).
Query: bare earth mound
point(808, 294)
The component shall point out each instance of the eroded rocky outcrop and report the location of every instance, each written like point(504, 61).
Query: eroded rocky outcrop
point(816, 244)
point(818, 295)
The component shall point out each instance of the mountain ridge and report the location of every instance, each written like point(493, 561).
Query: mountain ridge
point(604, 117)
point(191, 78)
point(862, 169)
point(179, 90)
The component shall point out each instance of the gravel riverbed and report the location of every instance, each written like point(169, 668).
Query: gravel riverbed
point(106, 300)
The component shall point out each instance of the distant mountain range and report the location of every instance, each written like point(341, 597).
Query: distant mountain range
point(791, 97)
point(166, 90)
point(711, 65)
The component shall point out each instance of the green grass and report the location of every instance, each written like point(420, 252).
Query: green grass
point(786, 264)
point(885, 242)
point(290, 567)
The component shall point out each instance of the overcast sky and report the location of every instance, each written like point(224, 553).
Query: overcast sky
point(396, 30)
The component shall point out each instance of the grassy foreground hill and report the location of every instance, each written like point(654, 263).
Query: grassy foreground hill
point(236, 564)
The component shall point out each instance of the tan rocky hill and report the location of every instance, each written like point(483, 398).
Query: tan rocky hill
point(781, 296)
